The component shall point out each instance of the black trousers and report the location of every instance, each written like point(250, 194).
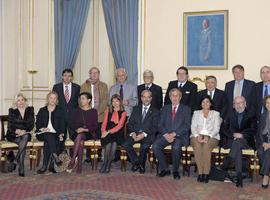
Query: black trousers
point(264, 157)
point(134, 158)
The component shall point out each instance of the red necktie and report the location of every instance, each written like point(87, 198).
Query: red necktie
point(173, 113)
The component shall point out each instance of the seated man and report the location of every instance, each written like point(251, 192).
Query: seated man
point(174, 126)
point(240, 129)
point(142, 126)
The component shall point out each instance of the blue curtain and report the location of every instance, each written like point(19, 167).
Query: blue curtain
point(70, 18)
point(121, 18)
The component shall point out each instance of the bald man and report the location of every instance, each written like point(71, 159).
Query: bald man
point(240, 129)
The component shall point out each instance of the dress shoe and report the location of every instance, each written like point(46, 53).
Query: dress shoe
point(199, 179)
point(42, 170)
point(239, 180)
point(176, 175)
point(135, 167)
point(164, 173)
point(21, 174)
point(205, 178)
point(87, 160)
point(141, 169)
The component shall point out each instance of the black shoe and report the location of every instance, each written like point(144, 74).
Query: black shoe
point(135, 167)
point(164, 173)
point(226, 163)
point(103, 167)
point(265, 186)
point(239, 180)
point(42, 170)
point(141, 169)
point(108, 167)
point(11, 166)
point(205, 178)
point(21, 174)
point(87, 160)
point(176, 175)
point(199, 179)
point(52, 170)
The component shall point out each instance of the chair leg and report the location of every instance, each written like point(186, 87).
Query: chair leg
point(3, 159)
point(38, 156)
point(31, 159)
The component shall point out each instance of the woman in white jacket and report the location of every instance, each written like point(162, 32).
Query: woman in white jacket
point(205, 137)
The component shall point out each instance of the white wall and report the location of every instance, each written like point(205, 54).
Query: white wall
point(248, 44)
point(27, 42)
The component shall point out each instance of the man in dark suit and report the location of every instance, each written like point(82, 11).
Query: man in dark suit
point(174, 129)
point(157, 98)
point(218, 96)
point(68, 94)
point(142, 128)
point(187, 88)
point(239, 87)
point(240, 129)
point(261, 90)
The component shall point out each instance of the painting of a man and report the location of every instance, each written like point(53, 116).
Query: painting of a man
point(205, 42)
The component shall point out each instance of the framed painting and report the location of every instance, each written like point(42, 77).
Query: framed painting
point(206, 40)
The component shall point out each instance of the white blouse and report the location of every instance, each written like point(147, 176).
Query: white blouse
point(50, 126)
point(206, 126)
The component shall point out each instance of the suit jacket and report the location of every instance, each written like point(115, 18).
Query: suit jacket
point(149, 125)
point(73, 102)
point(260, 139)
point(180, 125)
point(57, 120)
point(212, 124)
point(189, 92)
point(15, 121)
point(257, 95)
point(248, 127)
point(103, 97)
point(130, 94)
point(219, 101)
point(247, 92)
point(157, 98)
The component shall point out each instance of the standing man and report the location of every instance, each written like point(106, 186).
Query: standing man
point(68, 94)
point(142, 128)
point(261, 90)
point(218, 96)
point(156, 90)
point(174, 126)
point(239, 87)
point(187, 88)
point(127, 92)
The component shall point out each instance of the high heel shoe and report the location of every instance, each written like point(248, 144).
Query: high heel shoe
point(72, 166)
point(108, 167)
point(42, 170)
point(21, 174)
point(265, 186)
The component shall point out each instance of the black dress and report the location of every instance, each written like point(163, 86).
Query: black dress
point(117, 137)
point(15, 121)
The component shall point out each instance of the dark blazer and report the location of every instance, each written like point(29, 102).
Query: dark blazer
point(57, 119)
point(260, 139)
point(189, 92)
point(248, 127)
point(181, 124)
point(157, 98)
point(73, 103)
point(219, 101)
point(247, 92)
point(257, 95)
point(149, 125)
point(15, 121)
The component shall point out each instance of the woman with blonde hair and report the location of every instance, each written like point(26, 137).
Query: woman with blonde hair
point(50, 127)
point(21, 121)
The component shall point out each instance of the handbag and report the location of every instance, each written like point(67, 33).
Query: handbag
point(65, 158)
point(217, 174)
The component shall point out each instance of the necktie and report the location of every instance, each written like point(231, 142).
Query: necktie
point(121, 91)
point(144, 113)
point(173, 113)
point(211, 94)
point(96, 97)
point(265, 91)
point(147, 87)
point(181, 85)
point(238, 89)
point(67, 94)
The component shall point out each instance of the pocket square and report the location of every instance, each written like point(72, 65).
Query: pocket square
point(187, 92)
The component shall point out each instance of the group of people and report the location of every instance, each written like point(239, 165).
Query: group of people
point(237, 118)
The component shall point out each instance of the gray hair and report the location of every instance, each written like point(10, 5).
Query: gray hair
point(144, 91)
point(120, 69)
point(147, 71)
point(175, 90)
point(16, 99)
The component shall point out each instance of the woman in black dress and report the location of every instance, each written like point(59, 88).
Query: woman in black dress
point(21, 121)
point(51, 123)
point(112, 131)
point(84, 123)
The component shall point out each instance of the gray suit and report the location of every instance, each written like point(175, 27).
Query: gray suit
point(181, 126)
point(130, 94)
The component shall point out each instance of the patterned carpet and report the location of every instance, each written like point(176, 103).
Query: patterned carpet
point(121, 186)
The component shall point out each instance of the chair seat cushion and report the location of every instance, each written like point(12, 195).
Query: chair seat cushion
point(7, 145)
